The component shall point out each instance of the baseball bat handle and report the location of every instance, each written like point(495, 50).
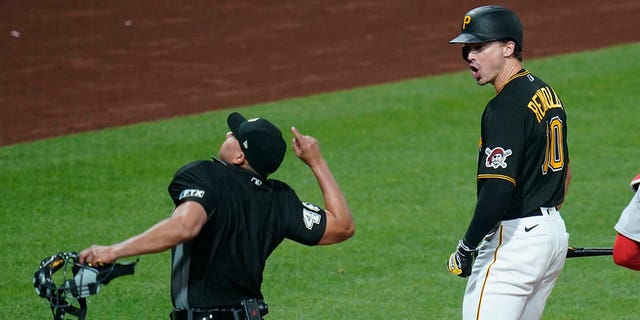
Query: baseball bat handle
point(573, 252)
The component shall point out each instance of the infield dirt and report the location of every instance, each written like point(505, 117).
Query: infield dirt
point(73, 66)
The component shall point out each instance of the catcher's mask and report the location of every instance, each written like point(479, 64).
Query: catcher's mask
point(76, 282)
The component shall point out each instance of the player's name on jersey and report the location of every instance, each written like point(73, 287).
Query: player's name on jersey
point(543, 100)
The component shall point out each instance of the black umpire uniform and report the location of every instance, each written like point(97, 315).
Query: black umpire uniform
point(221, 269)
point(248, 218)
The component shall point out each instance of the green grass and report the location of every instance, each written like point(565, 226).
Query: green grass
point(404, 154)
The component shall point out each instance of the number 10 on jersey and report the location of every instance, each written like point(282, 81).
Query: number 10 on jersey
point(554, 157)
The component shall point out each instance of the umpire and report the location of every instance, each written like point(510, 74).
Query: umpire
point(229, 217)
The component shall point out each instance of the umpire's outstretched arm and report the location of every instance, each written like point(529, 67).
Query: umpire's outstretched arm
point(340, 226)
point(184, 224)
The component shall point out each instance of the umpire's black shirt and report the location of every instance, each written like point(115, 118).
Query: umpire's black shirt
point(248, 217)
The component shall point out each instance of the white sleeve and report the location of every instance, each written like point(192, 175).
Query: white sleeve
point(629, 223)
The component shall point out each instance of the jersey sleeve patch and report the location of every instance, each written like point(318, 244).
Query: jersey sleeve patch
point(310, 215)
point(191, 193)
point(497, 157)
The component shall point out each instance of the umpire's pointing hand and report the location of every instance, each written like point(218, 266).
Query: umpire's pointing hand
point(306, 148)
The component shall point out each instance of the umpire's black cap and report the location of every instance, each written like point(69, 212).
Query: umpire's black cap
point(261, 142)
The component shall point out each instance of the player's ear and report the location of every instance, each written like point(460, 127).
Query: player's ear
point(509, 48)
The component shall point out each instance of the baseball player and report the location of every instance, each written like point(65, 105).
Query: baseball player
point(516, 235)
point(228, 219)
point(626, 248)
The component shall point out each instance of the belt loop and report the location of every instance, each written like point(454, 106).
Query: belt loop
point(189, 314)
point(548, 210)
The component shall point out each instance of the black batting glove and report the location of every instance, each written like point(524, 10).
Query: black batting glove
point(461, 261)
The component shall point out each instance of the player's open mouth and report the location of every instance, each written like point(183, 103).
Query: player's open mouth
point(474, 72)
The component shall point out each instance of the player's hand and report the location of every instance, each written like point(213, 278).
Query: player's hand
point(461, 261)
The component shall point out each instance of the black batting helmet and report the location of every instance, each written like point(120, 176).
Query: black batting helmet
point(490, 23)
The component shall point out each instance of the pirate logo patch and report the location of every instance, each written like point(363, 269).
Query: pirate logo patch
point(497, 157)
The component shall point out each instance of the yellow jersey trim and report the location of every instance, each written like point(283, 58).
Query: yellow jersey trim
point(517, 75)
point(497, 176)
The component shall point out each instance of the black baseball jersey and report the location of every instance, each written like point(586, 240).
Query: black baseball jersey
point(247, 219)
point(524, 141)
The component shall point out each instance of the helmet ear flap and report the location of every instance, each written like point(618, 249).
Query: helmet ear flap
point(465, 53)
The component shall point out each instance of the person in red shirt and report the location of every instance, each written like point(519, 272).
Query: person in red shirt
point(626, 248)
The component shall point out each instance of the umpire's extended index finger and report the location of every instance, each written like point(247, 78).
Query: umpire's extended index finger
point(296, 140)
point(296, 133)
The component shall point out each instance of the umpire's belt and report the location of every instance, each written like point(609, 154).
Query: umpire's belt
point(225, 313)
point(543, 211)
point(236, 313)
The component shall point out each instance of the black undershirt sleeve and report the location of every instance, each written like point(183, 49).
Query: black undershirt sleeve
point(493, 201)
